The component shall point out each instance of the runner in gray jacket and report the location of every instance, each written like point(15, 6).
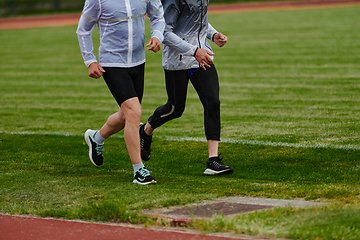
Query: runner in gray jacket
point(187, 55)
point(121, 26)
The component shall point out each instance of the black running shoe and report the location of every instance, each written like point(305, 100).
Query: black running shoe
point(143, 177)
point(95, 149)
point(145, 143)
point(214, 166)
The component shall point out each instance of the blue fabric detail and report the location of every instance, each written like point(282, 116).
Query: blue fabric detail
point(192, 71)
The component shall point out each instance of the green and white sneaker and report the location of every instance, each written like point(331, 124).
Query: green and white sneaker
point(143, 177)
point(95, 149)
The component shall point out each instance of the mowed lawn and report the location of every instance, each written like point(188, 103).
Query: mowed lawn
point(290, 107)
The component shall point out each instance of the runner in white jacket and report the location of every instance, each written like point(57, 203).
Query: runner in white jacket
point(121, 26)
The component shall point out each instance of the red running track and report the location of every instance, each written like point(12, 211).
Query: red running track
point(30, 228)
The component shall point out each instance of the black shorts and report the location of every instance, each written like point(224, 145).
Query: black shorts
point(125, 83)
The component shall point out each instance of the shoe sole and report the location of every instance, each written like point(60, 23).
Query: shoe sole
point(87, 140)
point(212, 172)
point(152, 182)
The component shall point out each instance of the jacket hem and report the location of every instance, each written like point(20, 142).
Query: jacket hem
point(122, 65)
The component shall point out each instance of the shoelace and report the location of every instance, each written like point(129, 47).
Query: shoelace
point(144, 172)
point(99, 149)
point(145, 144)
point(142, 142)
point(219, 159)
point(217, 163)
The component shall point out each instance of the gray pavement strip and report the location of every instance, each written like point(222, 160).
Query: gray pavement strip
point(271, 202)
point(226, 206)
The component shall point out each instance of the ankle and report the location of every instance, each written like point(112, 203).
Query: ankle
point(215, 156)
point(138, 166)
point(148, 129)
point(99, 139)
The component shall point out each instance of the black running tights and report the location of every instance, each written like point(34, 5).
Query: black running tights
point(206, 84)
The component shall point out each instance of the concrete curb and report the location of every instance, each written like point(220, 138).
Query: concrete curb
point(184, 215)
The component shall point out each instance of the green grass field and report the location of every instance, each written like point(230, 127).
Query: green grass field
point(290, 95)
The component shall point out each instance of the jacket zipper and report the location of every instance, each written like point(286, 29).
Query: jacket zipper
point(201, 20)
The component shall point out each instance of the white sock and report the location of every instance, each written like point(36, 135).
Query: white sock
point(98, 138)
point(138, 166)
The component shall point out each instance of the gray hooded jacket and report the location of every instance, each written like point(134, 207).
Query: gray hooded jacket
point(186, 30)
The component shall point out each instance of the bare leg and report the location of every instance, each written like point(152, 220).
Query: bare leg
point(213, 146)
point(131, 109)
point(127, 118)
point(114, 124)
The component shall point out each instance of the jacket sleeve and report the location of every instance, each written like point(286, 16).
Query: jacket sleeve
point(86, 26)
point(211, 32)
point(156, 14)
point(171, 14)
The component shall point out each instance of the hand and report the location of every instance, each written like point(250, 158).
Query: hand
point(220, 39)
point(154, 45)
point(203, 57)
point(95, 70)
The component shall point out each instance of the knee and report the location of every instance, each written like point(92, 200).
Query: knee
point(134, 114)
point(170, 110)
point(177, 112)
point(131, 110)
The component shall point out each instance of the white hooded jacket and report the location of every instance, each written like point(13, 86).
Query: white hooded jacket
point(121, 26)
